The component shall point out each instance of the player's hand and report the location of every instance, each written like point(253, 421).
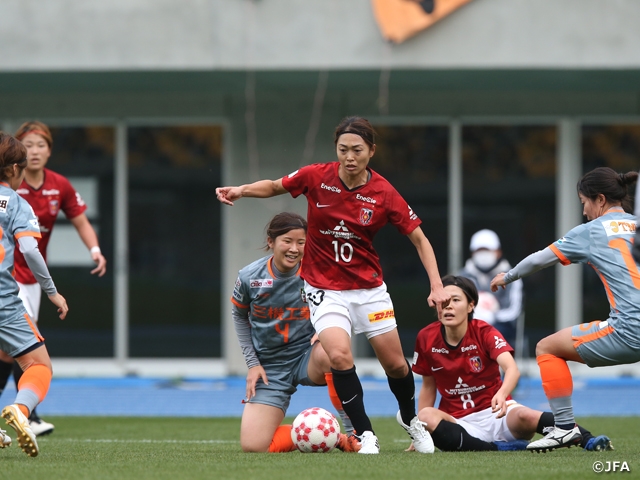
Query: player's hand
point(228, 195)
point(411, 448)
point(255, 373)
point(59, 301)
point(499, 405)
point(498, 281)
point(101, 263)
point(439, 298)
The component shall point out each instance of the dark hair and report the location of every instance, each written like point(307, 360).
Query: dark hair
point(12, 151)
point(611, 184)
point(283, 223)
point(36, 127)
point(358, 126)
point(466, 285)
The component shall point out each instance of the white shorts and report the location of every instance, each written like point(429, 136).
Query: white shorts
point(31, 294)
point(367, 310)
point(485, 426)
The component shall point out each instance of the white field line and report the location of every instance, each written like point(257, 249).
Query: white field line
point(142, 440)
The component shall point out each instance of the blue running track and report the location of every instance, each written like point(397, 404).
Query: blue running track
point(222, 397)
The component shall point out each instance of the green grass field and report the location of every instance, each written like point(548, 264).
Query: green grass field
point(207, 448)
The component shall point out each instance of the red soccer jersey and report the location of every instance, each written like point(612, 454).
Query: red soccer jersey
point(339, 253)
point(467, 376)
point(56, 193)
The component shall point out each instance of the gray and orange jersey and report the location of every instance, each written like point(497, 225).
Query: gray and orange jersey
point(279, 316)
point(605, 244)
point(16, 220)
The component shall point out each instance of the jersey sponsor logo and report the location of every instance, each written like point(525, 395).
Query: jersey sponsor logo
point(52, 191)
point(439, 350)
point(79, 200)
point(470, 347)
point(365, 216)
point(35, 224)
point(4, 203)
point(293, 174)
point(380, 316)
point(321, 206)
point(22, 191)
point(261, 283)
point(476, 364)
point(618, 227)
point(412, 216)
point(54, 206)
point(462, 388)
point(415, 357)
point(500, 342)
point(340, 231)
point(435, 369)
point(365, 199)
point(331, 188)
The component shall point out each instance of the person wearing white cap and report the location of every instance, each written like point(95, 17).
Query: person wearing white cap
point(502, 308)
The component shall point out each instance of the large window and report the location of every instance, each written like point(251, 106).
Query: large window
point(85, 156)
point(509, 187)
point(174, 241)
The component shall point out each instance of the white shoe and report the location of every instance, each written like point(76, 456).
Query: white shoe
point(5, 440)
point(26, 438)
point(40, 427)
point(557, 438)
point(417, 430)
point(369, 443)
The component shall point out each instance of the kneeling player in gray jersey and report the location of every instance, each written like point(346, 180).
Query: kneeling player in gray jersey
point(278, 342)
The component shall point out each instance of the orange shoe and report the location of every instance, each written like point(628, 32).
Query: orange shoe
point(348, 443)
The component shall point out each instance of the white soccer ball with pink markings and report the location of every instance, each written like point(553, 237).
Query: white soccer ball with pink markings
point(315, 430)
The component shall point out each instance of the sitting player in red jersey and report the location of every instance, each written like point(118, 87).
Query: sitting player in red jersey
point(47, 192)
point(461, 357)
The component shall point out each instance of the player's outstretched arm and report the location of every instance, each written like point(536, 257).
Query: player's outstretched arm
point(90, 239)
point(259, 189)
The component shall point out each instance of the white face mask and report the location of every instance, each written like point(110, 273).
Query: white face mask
point(485, 259)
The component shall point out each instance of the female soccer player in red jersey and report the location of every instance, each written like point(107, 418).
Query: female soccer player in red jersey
point(19, 336)
point(461, 357)
point(47, 192)
point(348, 203)
point(604, 243)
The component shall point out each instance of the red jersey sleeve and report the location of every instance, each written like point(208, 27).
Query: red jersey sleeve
point(297, 183)
point(420, 355)
point(493, 341)
point(400, 213)
point(71, 202)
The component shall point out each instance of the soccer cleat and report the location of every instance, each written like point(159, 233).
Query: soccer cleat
point(598, 444)
point(511, 446)
point(16, 420)
point(348, 443)
point(5, 440)
point(417, 430)
point(557, 438)
point(369, 444)
point(40, 427)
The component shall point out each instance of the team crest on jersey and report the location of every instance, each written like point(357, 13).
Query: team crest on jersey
point(365, 216)
point(54, 206)
point(476, 364)
point(4, 201)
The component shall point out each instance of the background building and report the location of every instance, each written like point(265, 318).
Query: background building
point(486, 119)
